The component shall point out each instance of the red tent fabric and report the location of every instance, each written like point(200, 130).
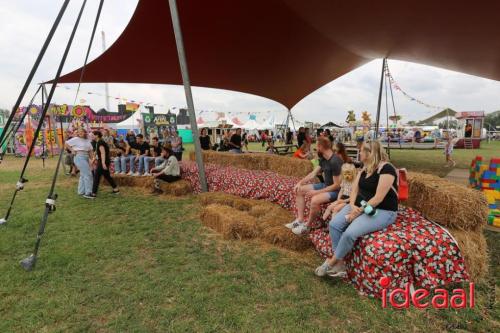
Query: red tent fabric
point(286, 49)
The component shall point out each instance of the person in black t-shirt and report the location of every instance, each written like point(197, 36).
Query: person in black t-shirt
point(301, 136)
point(235, 142)
point(102, 168)
point(373, 206)
point(142, 148)
point(330, 166)
point(205, 142)
point(154, 153)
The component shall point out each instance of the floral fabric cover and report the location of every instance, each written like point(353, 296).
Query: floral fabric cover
point(412, 250)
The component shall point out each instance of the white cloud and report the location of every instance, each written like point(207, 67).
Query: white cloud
point(25, 24)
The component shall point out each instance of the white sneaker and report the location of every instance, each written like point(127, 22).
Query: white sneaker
point(323, 269)
point(295, 223)
point(301, 229)
point(136, 174)
point(147, 174)
point(130, 173)
point(338, 270)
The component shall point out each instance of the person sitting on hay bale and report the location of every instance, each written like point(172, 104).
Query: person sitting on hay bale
point(330, 165)
point(348, 176)
point(304, 152)
point(168, 171)
point(154, 153)
point(373, 206)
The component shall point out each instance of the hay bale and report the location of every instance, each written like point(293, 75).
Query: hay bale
point(226, 199)
point(230, 222)
point(474, 249)
point(446, 203)
point(178, 188)
point(283, 237)
point(283, 165)
point(130, 181)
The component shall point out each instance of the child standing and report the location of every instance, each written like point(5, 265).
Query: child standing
point(448, 150)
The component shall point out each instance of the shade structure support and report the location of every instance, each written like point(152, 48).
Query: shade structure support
point(187, 90)
point(379, 98)
point(387, 115)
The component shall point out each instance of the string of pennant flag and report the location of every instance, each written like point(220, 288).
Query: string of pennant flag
point(133, 105)
point(397, 87)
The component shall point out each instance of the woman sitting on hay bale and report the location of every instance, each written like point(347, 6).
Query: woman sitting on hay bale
point(168, 171)
point(373, 206)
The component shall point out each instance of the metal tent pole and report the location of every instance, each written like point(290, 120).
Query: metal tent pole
point(387, 118)
point(187, 90)
point(379, 98)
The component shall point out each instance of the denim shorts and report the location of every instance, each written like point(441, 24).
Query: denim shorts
point(333, 195)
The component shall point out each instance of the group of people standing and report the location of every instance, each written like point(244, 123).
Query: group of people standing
point(91, 157)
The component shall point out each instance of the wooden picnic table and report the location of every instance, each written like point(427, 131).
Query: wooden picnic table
point(285, 149)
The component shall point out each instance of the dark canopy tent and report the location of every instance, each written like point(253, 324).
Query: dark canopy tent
point(331, 124)
point(286, 49)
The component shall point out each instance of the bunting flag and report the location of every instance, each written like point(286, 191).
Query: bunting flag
point(396, 86)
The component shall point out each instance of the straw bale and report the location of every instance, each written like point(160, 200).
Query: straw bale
point(178, 188)
point(474, 249)
point(230, 222)
point(446, 203)
point(130, 181)
point(226, 199)
point(283, 165)
point(283, 237)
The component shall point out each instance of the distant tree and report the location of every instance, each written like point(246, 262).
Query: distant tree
point(412, 123)
point(444, 124)
point(492, 120)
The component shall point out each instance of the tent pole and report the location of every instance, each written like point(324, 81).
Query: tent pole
point(187, 89)
point(379, 98)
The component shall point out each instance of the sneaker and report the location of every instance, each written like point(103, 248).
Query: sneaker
point(115, 191)
point(323, 269)
point(338, 270)
point(89, 196)
point(301, 229)
point(295, 223)
point(147, 174)
point(130, 173)
point(136, 174)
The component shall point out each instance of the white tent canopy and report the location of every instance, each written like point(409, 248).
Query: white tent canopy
point(252, 124)
point(133, 122)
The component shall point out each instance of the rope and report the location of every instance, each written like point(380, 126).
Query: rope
point(35, 67)
point(22, 180)
point(50, 202)
point(88, 49)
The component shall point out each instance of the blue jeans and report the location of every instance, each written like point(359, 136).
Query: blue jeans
point(236, 151)
point(123, 161)
point(85, 182)
point(159, 160)
point(117, 164)
point(344, 234)
point(144, 163)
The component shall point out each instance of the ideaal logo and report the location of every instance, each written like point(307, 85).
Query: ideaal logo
point(400, 298)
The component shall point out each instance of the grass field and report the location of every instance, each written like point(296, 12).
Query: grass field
point(135, 263)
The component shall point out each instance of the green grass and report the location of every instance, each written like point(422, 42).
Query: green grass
point(136, 263)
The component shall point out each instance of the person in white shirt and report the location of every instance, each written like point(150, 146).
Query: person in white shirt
point(81, 148)
point(168, 171)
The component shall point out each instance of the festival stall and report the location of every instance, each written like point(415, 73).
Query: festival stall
point(470, 125)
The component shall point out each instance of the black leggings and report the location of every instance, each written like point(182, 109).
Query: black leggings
point(97, 178)
point(166, 178)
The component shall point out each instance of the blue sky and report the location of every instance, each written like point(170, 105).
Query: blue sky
point(25, 23)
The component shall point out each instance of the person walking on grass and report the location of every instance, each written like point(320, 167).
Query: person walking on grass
point(81, 149)
point(169, 171)
point(448, 151)
point(102, 166)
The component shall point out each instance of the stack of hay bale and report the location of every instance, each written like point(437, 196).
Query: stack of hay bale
point(178, 188)
point(237, 218)
point(282, 165)
point(462, 211)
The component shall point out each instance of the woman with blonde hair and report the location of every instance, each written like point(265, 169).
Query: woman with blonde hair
point(373, 206)
point(81, 148)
